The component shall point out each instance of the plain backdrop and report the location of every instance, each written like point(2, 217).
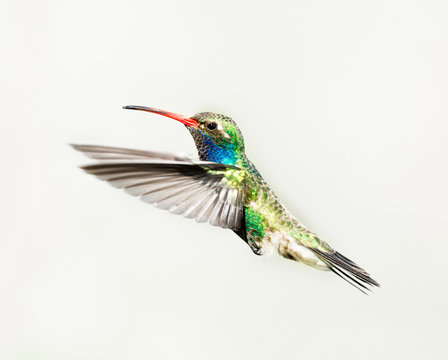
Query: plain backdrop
point(343, 105)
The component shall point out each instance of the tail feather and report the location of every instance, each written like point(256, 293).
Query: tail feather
point(347, 270)
point(349, 279)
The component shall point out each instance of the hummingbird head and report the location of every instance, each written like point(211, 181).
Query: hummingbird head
point(217, 137)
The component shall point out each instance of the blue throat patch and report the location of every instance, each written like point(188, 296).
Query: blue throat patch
point(208, 151)
point(218, 154)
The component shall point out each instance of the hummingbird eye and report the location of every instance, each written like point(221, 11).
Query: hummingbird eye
point(212, 126)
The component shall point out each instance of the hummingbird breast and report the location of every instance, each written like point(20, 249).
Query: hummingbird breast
point(270, 227)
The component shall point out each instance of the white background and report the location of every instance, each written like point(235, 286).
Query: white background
point(343, 105)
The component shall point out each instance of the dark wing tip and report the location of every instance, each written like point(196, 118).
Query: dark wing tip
point(78, 147)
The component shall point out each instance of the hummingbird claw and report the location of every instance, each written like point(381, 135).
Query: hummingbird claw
point(255, 248)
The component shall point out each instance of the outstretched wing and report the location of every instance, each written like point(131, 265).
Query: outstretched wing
point(205, 191)
point(98, 152)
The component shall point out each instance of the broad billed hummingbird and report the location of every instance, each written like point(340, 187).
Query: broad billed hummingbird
point(223, 188)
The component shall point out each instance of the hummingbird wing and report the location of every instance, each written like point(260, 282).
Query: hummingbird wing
point(206, 191)
point(98, 152)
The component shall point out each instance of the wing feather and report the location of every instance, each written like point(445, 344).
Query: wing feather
point(98, 152)
point(199, 190)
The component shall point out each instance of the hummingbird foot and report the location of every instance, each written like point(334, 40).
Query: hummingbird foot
point(256, 248)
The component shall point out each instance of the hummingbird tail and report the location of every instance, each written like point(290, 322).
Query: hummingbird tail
point(347, 270)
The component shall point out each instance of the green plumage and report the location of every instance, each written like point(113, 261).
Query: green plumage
point(224, 189)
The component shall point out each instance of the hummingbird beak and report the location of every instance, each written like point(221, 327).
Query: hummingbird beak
point(187, 121)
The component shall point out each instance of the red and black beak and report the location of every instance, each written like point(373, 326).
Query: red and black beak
point(188, 121)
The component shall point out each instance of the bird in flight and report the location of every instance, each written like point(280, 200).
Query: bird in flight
point(223, 188)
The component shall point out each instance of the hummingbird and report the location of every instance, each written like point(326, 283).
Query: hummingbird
point(222, 188)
